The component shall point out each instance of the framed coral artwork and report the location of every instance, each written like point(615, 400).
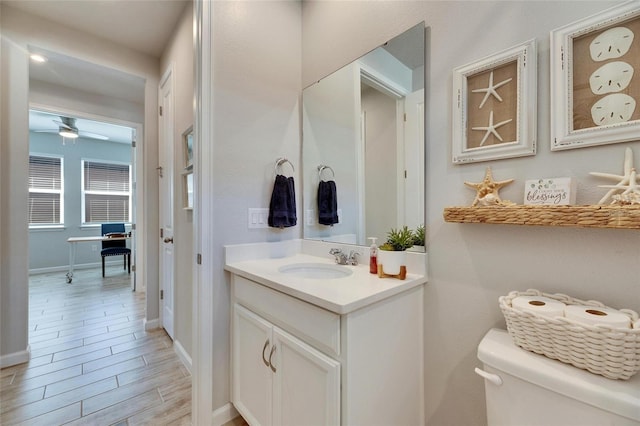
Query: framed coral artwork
point(494, 106)
point(595, 79)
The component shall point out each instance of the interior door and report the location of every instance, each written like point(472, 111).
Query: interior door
point(166, 172)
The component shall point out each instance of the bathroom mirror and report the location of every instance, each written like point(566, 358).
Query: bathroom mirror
point(363, 128)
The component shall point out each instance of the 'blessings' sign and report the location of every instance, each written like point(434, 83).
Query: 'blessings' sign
point(552, 191)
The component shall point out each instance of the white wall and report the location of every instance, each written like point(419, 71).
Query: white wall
point(471, 265)
point(14, 155)
point(66, 98)
point(255, 90)
point(179, 54)
point(20, 30)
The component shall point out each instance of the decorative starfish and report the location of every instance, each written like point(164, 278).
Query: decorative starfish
point(491, 89)
point(631, 190)
point(623, 180)
point(487, 190)
point(491, 128)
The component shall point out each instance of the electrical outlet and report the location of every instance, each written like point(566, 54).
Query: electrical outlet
point(258, 218)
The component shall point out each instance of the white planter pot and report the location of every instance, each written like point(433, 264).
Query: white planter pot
point(391, 261)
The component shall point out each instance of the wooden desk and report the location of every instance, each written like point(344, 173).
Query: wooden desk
point(73, 241)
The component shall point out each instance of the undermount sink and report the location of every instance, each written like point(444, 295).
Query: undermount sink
point(316, 270)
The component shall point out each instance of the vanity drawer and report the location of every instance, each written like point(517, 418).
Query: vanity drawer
point(315, 325)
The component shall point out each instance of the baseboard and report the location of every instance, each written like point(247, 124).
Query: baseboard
point(183, 355)
point(224, 414)
point(65, 268)
point(15, 358)
point(151, 324)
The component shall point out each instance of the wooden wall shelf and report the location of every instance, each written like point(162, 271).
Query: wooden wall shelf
point(587, 216)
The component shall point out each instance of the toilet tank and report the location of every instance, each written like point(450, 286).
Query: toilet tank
point(523, 388)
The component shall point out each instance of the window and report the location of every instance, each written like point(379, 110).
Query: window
point(45, 191)
point(106, 193)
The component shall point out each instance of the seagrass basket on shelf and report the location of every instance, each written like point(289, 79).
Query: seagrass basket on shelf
point(611, 352)
point(586, 216)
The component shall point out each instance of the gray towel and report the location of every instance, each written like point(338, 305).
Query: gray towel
point(327, 203)
point(282, 209)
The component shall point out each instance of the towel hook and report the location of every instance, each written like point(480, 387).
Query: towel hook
point(280, 161)
point(321, 168)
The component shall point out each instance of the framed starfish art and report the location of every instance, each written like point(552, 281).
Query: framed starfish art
point(595, 79)
point(494, 106)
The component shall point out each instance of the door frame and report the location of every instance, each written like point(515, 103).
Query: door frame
point(203, 247)
point(138, 210)
point(378, 82)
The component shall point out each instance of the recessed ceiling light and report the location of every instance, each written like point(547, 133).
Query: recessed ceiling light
point(38, 58)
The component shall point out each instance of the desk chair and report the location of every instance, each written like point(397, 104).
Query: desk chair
point(115, 248)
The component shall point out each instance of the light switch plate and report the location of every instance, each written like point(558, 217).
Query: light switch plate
point(310, 217)
point(258, 218)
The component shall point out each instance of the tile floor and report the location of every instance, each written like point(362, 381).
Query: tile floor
point(92, 362)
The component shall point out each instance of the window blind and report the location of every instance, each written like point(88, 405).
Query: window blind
point(45, 190)
point(106, 192)
point(106, 177)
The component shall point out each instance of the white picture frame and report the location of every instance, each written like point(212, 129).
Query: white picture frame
point(574, 112)
point(521, 62)
point(187, 142)
point(187, 188)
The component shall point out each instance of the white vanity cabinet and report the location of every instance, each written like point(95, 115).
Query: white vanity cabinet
point(295, 363)
point(278, 379)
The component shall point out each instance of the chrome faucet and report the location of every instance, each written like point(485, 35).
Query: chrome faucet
point(353, 258)
point(343, 259)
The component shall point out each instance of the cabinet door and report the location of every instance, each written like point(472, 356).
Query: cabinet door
point(252, 377)
point(306, 384)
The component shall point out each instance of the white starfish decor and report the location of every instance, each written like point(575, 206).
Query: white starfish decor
point(491, 89)
point(625, 181)
point(491, 128)
point(631, 193)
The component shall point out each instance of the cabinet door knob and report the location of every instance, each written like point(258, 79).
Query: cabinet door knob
point(263, 349)
point(273, 349)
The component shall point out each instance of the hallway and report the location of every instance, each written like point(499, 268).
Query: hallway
point(92, 363)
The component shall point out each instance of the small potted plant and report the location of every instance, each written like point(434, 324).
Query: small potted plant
point(418, 239)
point(391, 254)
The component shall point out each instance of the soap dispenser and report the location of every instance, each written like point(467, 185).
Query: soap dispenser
point(373, 256)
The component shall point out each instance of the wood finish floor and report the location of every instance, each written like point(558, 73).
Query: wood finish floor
point(92, 363)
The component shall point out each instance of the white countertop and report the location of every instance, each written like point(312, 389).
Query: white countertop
point(339, 295)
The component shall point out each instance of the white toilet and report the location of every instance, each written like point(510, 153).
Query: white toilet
point(526, 389)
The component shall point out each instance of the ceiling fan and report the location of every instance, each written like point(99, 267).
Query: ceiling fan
point(67, 129)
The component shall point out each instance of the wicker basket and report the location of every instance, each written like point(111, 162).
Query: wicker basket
point(612, 353)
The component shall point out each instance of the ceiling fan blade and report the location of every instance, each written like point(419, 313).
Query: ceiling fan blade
point(61, 124)
point(93, 135)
